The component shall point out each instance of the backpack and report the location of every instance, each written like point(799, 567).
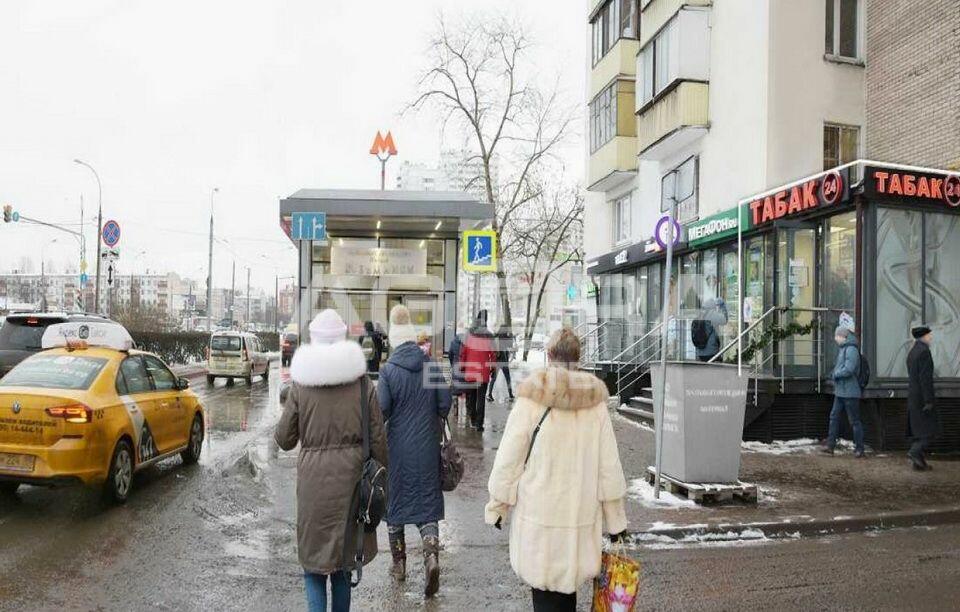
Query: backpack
point(863, 370)
point(368, 347)
point(700, 332)
point(369, 503)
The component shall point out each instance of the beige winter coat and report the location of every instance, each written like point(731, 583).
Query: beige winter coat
point(322, 413)
point(572, 487)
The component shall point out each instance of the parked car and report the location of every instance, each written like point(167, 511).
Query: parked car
point(21, 334)
point(234, 354)
point(288, 346)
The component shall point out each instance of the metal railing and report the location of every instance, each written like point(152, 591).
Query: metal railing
point(638, 364)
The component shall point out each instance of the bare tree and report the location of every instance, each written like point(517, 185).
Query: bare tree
point(482, 80)
point(547, 237)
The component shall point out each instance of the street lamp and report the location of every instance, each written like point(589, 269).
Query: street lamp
point(96, 292)
point(210, 265)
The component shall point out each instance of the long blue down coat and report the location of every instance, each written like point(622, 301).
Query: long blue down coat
point(413, 395)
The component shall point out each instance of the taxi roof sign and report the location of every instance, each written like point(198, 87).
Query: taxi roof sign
point(79, 334)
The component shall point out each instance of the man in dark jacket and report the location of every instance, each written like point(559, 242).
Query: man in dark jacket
point(923, 424)
point(413, 396)
point(503, 344)
point(846, 391)
point(456, 376)
point(372, 344)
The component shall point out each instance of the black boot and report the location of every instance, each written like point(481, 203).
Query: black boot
point(431, 565)
point(398, 549)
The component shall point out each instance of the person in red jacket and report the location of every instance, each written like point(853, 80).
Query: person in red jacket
point(477, 360)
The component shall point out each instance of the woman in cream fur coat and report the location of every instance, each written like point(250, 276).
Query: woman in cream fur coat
point(572, 487)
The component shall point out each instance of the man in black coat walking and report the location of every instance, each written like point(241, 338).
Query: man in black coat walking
point(923, 424)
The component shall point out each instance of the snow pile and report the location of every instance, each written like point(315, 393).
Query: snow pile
point(744, 537)
point(783, 447)
point(638, 424)
point(642, 491)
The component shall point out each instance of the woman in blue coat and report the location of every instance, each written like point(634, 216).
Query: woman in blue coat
point(413, 396)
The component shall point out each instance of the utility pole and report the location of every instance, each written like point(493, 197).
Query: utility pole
point(99, 227)
point(248, 297)
point(233, 290)
point(276, 304)
point(210, 266)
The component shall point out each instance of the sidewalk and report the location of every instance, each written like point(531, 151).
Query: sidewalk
point(801, 491)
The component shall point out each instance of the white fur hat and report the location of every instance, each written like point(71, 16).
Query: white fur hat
point(401, 329)
point(327, 327)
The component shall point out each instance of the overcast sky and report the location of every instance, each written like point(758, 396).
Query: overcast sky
point(170, 99)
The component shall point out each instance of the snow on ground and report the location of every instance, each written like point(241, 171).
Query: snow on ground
point(801, 446)
point(744, 537)
point(637, 424)
point(642, 491)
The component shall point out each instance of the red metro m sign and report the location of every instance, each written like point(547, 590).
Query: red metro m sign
point(825, 190)
point(920, 186)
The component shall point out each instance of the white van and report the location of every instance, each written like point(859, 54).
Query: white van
point(234, 354)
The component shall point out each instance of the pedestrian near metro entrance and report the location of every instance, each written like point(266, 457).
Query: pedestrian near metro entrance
point(456, 376)
point(414, 397)
point(322, 412)
point(477, 359)
point(846, 391)
point(705, 331)
point(923, 423)
point(558, 472)
point(503, 343)
point(372, 344)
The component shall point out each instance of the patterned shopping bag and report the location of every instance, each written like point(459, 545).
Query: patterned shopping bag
point(617, 586)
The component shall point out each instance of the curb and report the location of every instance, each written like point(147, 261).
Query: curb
point(807, 528)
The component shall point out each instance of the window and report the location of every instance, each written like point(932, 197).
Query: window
point(680, 185)
point(621, 219)
point(615, 20)
point(132, 377)
point(163, 379)
point(55, 372)
point(841, 145)
point(842, 28)
point(603, 118)
point(656, 64)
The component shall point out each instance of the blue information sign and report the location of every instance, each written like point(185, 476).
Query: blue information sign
point(308, 226)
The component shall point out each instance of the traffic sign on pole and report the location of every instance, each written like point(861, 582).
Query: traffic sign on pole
point(111, 233)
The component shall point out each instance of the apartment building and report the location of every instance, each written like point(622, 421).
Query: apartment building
point(743, 118)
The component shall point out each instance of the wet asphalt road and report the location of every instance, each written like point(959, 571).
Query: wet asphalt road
point(220, 536)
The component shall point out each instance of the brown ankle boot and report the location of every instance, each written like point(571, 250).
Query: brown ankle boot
point(398, 550)
point(431, 565)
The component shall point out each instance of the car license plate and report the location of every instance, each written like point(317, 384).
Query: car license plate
point(17, 463)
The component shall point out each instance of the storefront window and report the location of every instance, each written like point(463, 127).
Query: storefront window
point(840, 275)
point(708, 275)
point(942, 291)
point(899, 304)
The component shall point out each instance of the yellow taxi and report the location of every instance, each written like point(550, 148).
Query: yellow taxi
point(92, 410)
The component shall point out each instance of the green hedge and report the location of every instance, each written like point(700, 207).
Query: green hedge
point(178, 348)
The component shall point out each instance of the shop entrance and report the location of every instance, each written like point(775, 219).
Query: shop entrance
point(357, 307)
point(796, 283)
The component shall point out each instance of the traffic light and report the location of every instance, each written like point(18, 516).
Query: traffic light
point(7, 213)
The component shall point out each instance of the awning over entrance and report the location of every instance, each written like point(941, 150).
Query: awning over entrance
point(399, 214)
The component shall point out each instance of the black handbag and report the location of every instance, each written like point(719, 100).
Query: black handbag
point(451, 462)
point(369, 503)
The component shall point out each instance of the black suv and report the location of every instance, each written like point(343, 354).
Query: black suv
point(21, 334)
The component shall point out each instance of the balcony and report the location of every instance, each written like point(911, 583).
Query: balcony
point(672, 121)
point(620, 61)
point(612, 164)
point(657, 13)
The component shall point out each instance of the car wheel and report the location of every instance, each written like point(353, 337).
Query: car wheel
point(211, 379)
point(9, 488)
point(120, 477)
point(195, 444)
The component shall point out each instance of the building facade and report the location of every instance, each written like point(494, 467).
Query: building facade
point(746, 120)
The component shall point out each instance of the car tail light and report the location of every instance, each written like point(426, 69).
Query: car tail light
point(74, 413)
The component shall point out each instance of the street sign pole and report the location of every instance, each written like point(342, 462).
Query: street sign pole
point(664, 325)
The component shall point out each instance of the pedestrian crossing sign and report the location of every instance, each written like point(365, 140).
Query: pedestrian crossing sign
point(479, 250)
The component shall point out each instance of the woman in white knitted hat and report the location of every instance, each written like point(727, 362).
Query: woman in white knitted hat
point(413, 394)
point(323, 413)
